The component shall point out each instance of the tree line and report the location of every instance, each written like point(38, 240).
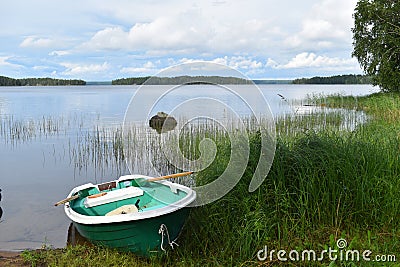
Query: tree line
point(338, 79)
point(180, 80)
point(6, 81)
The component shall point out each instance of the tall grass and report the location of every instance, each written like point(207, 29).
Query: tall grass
point(319, 185)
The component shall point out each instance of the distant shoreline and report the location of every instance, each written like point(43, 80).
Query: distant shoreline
point(7, 81)
point(337, 79)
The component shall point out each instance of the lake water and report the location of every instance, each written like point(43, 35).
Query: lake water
point(42, 133)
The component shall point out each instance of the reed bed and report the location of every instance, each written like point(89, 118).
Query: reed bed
point(16, 131)
point(100, 149)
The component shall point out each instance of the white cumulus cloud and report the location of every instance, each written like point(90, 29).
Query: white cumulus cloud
point(242, 63)
point(77, 70)
point(311, 60)
point(184, 31)
point(147, 68)
point(190, 32)
point(36, 42)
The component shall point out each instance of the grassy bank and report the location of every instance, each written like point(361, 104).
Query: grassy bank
point(325, 184)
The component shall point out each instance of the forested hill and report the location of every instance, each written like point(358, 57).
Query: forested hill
point(180, 80)
point(338, 79)
point(6, 81)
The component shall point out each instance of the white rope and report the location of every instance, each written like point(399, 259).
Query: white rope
point(163, 229)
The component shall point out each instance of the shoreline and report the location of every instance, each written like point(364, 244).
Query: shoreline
point(7, 254)
point(12, 259)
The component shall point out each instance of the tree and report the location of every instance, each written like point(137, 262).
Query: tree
point(376, 40)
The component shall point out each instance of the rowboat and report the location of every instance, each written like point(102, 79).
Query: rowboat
point(143, 218)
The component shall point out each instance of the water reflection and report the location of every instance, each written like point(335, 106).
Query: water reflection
point(74, 238)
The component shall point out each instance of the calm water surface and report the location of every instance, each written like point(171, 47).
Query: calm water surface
point(38, 165)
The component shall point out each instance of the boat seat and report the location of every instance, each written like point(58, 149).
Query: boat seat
point(126, 209)
point(113, 196)
point(107, 186)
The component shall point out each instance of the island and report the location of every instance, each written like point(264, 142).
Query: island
point(6, 81)
point(337, 79)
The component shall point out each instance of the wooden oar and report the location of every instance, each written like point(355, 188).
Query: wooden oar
point(144, 181)
point(77, 196)
point(68, 199)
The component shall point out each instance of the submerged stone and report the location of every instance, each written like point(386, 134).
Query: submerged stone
point(162, 122)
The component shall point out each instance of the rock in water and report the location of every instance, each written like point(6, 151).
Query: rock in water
point(162, 122)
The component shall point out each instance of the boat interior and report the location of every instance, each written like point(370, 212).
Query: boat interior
point(123, 197)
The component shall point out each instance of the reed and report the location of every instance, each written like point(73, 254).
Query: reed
point(18, 131)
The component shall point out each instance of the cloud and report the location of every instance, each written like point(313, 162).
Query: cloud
point(302, 61)
point(271, 63)
point(187, 33)
point(327, 25)
point(59, 53)
point(4, 63)
point(39, 68)
point(184, 31)
point(311, 60)
point(36, 42)
point(244, 64)
point(147, 68)
point(201, 31)
point(79, 70)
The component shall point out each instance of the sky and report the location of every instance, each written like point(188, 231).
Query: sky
point(102, 40)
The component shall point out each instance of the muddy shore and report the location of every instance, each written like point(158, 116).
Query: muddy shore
point(11, 259)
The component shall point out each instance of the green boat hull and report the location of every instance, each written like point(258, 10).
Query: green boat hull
point(141, 237)
point(144, 220)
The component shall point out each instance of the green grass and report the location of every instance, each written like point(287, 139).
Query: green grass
point(325, 183)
